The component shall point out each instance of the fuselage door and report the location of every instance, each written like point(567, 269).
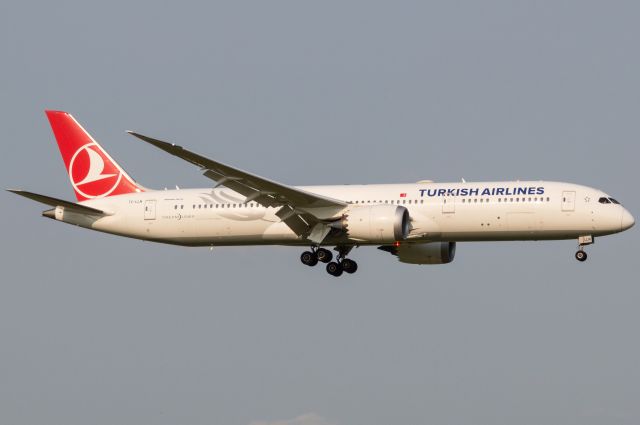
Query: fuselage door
point(568, 201)
point(448, 205)
point(150, 209)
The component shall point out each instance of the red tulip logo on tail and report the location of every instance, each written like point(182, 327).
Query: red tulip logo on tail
point(92, 175)
point(92, 172)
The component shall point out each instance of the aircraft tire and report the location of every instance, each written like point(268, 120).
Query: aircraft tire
point(309, 258)
point(581, 255)
point(349, 266)
point(324, 255)
point(334, 269)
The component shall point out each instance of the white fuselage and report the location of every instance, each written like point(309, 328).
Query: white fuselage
point(466, 211)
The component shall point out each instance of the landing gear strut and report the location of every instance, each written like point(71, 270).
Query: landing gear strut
point(583, 241)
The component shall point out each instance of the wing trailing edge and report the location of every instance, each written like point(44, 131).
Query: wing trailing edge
point(299, 209)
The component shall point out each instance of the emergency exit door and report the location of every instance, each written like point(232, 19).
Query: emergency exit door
point(568, 201)
point(448, 205)
point(150, 209)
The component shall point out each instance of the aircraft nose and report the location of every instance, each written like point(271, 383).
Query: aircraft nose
point(627, 220)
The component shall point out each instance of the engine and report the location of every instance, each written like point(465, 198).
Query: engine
point(376, 223)
point(423, 253)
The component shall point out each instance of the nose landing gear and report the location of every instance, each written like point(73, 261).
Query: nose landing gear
point(581, 255)
point(583, 241)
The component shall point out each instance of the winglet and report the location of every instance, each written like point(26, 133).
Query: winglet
point(158, 143)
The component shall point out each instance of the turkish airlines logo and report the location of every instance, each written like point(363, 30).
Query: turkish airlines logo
point(92, 173)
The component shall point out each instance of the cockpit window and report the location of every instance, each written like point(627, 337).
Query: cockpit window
point(604, 200)
point(614, 201)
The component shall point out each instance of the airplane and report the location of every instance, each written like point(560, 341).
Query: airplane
point(419, 223)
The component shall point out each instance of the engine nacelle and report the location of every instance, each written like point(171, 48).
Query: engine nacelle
point(376, 223)
point(423, 253)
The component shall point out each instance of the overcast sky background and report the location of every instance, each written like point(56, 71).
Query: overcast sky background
point(105, 330)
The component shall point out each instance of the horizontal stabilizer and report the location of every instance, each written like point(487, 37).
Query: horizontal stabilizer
point(55, 202)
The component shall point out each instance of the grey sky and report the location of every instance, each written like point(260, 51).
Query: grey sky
point(105, 330)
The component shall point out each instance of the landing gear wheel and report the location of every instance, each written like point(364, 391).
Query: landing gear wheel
point(334, 269)
point(581, 255)
point(324, 255)
point(349, 266)
point(309, 258)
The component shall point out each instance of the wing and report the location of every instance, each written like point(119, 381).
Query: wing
point(296, 205)
point(55, 202)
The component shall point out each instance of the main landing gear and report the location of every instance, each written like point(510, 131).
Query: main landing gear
point(583, 241)
point(334, 268)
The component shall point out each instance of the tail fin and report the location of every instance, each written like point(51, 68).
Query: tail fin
point(93, 173)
